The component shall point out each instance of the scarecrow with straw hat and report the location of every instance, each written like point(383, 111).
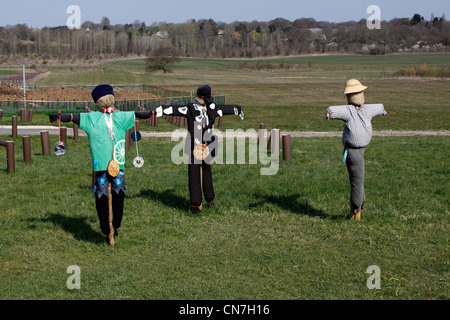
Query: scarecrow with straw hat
point(106, 130)
point(356, 136)
point(201, 115)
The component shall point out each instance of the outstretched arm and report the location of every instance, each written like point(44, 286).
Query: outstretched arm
point(338, 112)
point(225, 110)
point(375, 109)
point(66, 117)
point(172, 110)
point(143, 114)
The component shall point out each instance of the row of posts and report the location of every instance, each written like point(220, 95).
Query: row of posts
point(273, 143)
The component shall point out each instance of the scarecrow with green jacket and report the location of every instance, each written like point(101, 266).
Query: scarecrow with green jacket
point(106, 130)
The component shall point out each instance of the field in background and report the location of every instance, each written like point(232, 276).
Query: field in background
point(268, 237)
point(297, 99)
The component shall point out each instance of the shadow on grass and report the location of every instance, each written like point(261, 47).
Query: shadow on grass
point(167, 197)
point(78, 227)
point(291, 203)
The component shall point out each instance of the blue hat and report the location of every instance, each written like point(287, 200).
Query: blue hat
point(101, 90)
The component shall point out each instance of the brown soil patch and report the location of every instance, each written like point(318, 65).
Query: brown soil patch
point(13, 92)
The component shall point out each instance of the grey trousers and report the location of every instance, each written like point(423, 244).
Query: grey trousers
point(355, 167)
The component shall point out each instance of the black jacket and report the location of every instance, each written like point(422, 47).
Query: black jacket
point(200, 128)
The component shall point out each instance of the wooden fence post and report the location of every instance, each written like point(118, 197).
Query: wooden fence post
point(274, 141)
point(286, 147)
point(26, 149)
point(262, 126)
point(64, 136)
point(14, 126)
point(75, 131)
point(11, 165)
point(45, 142)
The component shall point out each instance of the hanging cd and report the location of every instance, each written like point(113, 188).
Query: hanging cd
point(136, 136)
point(138, 162)
point(60, 148)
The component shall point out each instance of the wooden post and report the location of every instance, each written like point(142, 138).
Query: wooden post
point(30, 115)
point(274, 141)
point(45, 142)
point(220, 122)
point(11, 165)
point(75, 131)
point(1, 115)
point(26, 149)
point(128, 141)
point(14, 126)
point(262, 126)
point(64, 135)
point(286, 147)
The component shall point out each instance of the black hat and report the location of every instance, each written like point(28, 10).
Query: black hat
point(101, 90)
point(204, 92)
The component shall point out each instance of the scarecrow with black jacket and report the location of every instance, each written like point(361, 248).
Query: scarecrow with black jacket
point(106, 130)
point(201, 115)
point(356, 136)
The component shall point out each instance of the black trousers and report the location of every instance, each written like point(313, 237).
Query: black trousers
point(195, 184)
point(103, 211)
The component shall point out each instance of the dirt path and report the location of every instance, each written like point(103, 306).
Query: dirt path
point(35, 130)
point(315, 134)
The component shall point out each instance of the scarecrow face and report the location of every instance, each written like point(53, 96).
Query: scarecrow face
point(105, 101)
point(356, 99)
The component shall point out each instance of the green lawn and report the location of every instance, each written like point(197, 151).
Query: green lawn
point(268, 237)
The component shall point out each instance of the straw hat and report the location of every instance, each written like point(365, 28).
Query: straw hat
point(354, 86)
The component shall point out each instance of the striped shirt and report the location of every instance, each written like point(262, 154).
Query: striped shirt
point(358, 126)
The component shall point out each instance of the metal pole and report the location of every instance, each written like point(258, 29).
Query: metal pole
point(24, 90)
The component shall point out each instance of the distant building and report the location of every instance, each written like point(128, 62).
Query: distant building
point(162, 35)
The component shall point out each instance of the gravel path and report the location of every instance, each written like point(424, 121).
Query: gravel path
point(35, 130)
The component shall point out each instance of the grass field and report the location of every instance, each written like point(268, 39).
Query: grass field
point(293, 100)
point(280, 237)
point(274, 237)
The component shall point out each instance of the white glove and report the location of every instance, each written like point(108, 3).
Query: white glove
point(159, 111)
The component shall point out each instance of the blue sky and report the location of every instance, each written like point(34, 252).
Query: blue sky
point(40, 13)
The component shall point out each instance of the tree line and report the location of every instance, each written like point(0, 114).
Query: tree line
point(208, 38)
